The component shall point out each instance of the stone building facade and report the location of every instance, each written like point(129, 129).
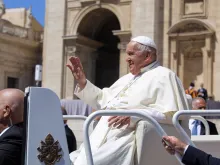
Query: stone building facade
point(187, 33)
point(20, 47)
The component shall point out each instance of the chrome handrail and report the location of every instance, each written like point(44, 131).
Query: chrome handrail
point(78, 117)
point(191, 113)
point(136, 113)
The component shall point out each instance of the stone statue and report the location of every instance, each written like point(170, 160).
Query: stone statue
point(29, 18)
point(2, 8)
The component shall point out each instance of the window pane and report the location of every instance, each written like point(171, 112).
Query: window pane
point(12, 82)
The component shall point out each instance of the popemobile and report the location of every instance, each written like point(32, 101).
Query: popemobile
point(45, 140)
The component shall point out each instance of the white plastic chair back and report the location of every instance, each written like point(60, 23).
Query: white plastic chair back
point(46, 138)
point(208, 143)
point(76, 126)
point(150, 150)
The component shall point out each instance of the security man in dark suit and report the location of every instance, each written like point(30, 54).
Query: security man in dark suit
point(190, 155)
point(71, 140)
point(11, 130)
point(197, 127)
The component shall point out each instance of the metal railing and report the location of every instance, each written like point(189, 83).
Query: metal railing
point(77, 117)
point(140, 114)
point(205, 123)
point(191, 113)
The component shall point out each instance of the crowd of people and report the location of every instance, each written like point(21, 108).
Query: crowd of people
point(201, 92)
point(149, 87)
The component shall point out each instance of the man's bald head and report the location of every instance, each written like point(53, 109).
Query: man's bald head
point(12, 105)
point(198, 103)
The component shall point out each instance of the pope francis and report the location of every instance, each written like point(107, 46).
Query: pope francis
point(148, 87)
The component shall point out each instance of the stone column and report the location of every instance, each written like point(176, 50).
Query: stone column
point(148, 20)
point(205, 67)
point(2, 74)
point(68, 81)
point(125, 37)
point(181, 65)
point(209, 64)
point(53, 51)
point(88, 58)
point(123, 68)
point(166, 25)
point(85, 49)
point(174, 58)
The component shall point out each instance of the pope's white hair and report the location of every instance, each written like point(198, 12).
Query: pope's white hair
point(144, 48)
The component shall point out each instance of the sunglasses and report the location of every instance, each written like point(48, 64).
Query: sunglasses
point(201, 107)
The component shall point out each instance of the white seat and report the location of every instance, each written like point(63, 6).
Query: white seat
point(76, 126)
point(208, 143)
point(150, 150)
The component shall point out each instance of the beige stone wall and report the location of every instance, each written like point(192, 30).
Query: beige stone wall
point(53, 46)
point(20, 17)
point(147, 19)
point(20, 48)
point(17, 60)
point(16, 16)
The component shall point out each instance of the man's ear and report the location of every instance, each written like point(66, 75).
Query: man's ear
point(7, 111)
point(147, 57)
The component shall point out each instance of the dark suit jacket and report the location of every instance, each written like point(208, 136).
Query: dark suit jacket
point(71, 140)
point(212, 127)
point(195, 156)
point(11, 145)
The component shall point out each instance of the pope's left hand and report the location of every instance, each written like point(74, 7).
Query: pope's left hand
point(119, 121)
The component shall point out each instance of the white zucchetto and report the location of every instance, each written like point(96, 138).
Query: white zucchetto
point(145, 41)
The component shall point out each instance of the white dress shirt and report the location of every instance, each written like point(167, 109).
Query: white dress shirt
point(4, 131)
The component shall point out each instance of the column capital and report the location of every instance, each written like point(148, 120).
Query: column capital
point(82, 40)
point(122, 46)
point(124, 36)
point(72, 50)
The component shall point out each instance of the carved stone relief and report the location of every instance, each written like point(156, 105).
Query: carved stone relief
point(11, 29)
point(191, 27)
point(73, 50)
point(29, 18)
point(193, 55)
point(89, 2)
point(193, 8)
point(8, 28)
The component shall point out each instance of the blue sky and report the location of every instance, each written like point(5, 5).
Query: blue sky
point(38, 7)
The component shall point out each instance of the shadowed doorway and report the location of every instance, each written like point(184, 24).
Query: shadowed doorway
point(98, 25)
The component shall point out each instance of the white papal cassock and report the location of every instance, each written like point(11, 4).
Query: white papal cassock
point(156, 91)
